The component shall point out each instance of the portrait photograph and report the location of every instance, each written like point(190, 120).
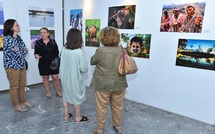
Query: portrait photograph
point(35, 35)
point(92, 32)
point(186, 17)
point(41, 17)
point(122, 17)
point(196, 53)
point(76, 19)
point(136, 45)
point(1, 14)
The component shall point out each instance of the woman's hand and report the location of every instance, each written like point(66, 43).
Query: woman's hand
point(16, 48)
point(37, 56)
point(26, 49)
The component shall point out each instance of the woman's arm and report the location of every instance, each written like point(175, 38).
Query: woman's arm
point(37, 51)
point(96, 57)
point(83, 64)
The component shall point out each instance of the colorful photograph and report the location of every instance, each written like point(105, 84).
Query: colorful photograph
point(35, 35)
point(92, 32)
point(1, 14)
point(1, 39)
point(187, 17)
point(136, 45)
point(122, 17)
point(41, 17)
point(76, 19)
point(196, 53)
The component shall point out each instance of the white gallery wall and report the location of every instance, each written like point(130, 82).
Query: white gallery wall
point(18, 10)
point(159, 82)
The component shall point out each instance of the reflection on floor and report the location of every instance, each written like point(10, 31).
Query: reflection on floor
point(46, 117)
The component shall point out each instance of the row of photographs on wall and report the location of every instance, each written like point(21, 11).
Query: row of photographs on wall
point(191, 52)
point(186, 17)
point(195, 53)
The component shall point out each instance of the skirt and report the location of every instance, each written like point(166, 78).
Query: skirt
point(44, 69)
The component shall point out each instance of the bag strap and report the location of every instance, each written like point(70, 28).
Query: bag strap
point(61, 51)
point(123, 50)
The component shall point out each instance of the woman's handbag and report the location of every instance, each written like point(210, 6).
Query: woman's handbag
point(55, 64)
point(127, 65)
point(26, 65)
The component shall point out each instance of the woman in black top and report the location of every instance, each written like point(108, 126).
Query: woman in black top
point(46, 50)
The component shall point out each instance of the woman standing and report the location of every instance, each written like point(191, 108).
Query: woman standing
point(73, 66)
point(46, 50)
point(14, 52)
point(108, 84)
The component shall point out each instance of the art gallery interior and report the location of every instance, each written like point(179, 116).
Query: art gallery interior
point(159, 82)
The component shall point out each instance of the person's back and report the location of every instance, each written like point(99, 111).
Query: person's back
point(73, 66)
point(108, 84)
point(108, 79)
point(71, 59)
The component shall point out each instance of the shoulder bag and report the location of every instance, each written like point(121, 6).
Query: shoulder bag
point(55, 65)
point(127, 65)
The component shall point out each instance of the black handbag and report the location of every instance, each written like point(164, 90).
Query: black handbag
point(26, 65)
point(55, 64)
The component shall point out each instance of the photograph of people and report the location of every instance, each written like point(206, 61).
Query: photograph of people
point(122, 17)
point(46, 49)
point(187, 17)
point(76, 19)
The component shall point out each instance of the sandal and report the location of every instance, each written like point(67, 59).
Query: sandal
point(20, 108)
point(70, 117)
point(118, 130)
point(95, 131)
point(27, 104)
point(83, 120)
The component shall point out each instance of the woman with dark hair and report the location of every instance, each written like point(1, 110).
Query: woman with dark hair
point(46, 49)
point(72, 67)
point(108, 84)
point(14, 52)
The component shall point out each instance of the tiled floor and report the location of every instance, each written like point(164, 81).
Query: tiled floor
point(46, 117)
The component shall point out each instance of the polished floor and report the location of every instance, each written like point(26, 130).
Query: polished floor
point(46, 117)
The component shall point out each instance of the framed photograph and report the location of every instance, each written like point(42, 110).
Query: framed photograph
point(1, 39)
point(41, 17)
point(122, 17)
point(196, 53)
point(186, 17)
point(92, 32)
point(76, 18)
point(1, 14)
point(137, 45)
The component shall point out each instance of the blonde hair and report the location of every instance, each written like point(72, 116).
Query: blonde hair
point(49, 36)
point(109, 36)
